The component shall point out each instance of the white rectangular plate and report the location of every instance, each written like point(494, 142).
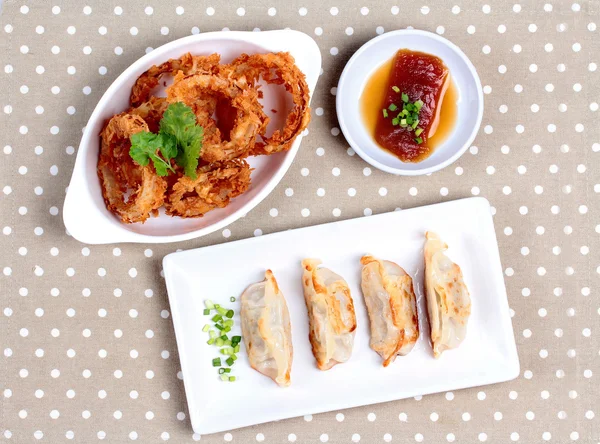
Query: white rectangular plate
point(487, 355)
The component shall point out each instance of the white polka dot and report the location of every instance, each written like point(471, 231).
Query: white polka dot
point(305, 212)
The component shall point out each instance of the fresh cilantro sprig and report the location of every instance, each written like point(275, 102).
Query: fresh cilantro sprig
point(179, 138)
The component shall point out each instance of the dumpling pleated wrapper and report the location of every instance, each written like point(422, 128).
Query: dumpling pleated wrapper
point(266, 330)
point(448, 300)
point(330, 313)
point(392, 307)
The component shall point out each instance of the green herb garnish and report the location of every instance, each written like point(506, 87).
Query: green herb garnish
point(228, 347)
point(179, 138)
point(408, 117)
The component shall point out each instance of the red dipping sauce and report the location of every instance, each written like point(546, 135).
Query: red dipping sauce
point(422, 77)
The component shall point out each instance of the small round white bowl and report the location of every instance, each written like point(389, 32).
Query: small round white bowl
point(84, 213)
point(363, 64)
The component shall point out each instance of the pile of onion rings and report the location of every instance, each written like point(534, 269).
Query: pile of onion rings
point(225, 100)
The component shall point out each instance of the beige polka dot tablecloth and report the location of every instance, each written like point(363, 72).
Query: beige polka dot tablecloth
point(88, 349)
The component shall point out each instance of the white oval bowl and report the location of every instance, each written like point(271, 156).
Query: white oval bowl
point(365, 62)
point(84, 213)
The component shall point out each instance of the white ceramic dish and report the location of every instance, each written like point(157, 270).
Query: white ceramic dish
point(85, 214)
point(381, 49)
point(487, 355)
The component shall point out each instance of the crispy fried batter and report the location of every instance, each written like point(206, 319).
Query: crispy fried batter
point(225, 99)
point(280, 69)
point(250, 120)
point(215, 186)
point(119, 175)
point(188, 64)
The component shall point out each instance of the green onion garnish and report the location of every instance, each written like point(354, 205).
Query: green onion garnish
point(230, 361)
point(211, 341)
point(206, 328)
point(231, 299)
point(209, 304)
point(385, 113)
point(415, 123)
point(206, 311)
point(234, 357)
point(392, 107)
point(418, 132)
point(419, 140)
point(404, 97)
point(236, 349)
point(395, 121)
point(216, 362)
point(219, 342)
point(222, 311)
point(212, 334)
point(232, 379)
point(224, 337)
point(228, 347)
point(217, 306)
point(224, 378)
point(226, 370)
point(228, 323)
point(227, 329)
point(229, 314)
point(221, 370)
point(419, 104)
point(216, 318)
point(219, 326)
point(236, 339)
point(396, 89)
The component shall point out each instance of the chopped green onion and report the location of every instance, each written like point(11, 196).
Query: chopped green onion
point(236, 339)
point(216, 318)
point(418, 132)
point(228, 323)
point(396, 89)
point(419, 104)
point(219, 342)
point(222, 311)
point(395, 121)
point(227, 329)
point(385, 113)
point(230, 361)
point(415, 123)
point(224, 337)
point(223, 351)
point(216, 362)
point(217, 306)
point(229, 314)
point(211, 341)
point(392, 107)
point(206, 311)
point(236, 349)
point(404, 121)
point(234, 357)
point(404, 113)
point(206, 328)
point(224, 378)
point(219, 326)
point(212, 334)
point(404, 97)
point(227, 343)
point(221, 370)
point(231, 299)
point(232, 379)
point(419, 140)
point(226, 370)
point(209, 304)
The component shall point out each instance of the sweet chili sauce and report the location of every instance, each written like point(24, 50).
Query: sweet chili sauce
point(422, 77)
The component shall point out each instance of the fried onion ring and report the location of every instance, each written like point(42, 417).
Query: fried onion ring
point(119, 175)
point(250, 120)
point(214, 187)
point(279, 69)
point(188, 64)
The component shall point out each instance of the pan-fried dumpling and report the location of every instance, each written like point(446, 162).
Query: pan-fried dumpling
point(266, 328)
point(448, 300)
point(330, 314)
point(392, 308)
